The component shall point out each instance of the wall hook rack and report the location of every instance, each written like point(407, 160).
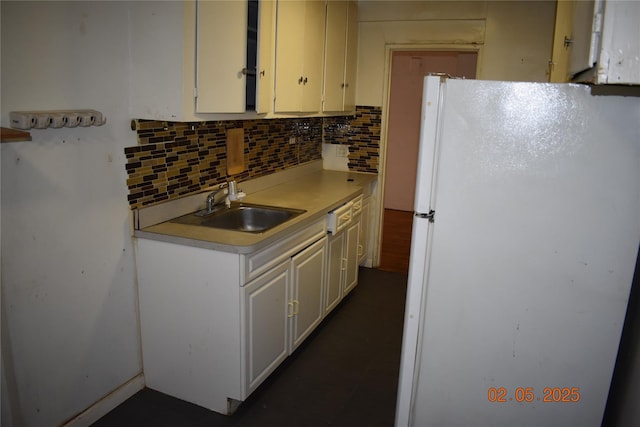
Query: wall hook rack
point(56, 119)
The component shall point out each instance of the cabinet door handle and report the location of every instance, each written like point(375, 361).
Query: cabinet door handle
point(304, 81)
point(360, 250)
point(291, 312)
point(297, 307)
point(300, 80)
point(343, 264)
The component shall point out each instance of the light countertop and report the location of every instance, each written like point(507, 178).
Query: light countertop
point(317, 192)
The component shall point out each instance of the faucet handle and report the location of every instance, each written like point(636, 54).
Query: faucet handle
point(232, 188)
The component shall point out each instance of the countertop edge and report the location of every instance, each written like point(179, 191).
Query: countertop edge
point(247, 242)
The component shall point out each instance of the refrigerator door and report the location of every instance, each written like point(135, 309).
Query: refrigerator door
point(531, 257)
point(420, 241)
point(426, 153)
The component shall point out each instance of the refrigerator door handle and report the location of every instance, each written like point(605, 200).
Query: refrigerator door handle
point(430, 216)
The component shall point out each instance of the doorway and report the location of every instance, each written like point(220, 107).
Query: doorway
point(408, 69)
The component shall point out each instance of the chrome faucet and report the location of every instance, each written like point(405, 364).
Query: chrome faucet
point(225, 193)
point(211, 198)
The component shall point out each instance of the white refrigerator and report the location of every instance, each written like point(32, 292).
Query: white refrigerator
point(525, 237)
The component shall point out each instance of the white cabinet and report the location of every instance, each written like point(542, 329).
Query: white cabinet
point(335, 271)
point(350, 253)
point(343, 256)
point(363, 237)
point(189, 59)
point(306, 309)
point(215, 324)
point(266, 324)
point(605, 42)
point(300, 33)
point(340, 56)
point(280, 309)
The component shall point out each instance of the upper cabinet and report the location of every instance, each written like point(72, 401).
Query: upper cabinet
point(340, 56)
point(266, 45)
point(199, 60)
point(602, 41)
point(300, 30)
point(194, 58)
point(221, 56)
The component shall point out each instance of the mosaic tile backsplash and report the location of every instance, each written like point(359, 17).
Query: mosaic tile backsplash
point(173, 159)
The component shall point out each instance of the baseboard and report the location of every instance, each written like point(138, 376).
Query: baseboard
point(107, 403)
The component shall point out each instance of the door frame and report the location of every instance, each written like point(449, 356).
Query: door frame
point(377, 218)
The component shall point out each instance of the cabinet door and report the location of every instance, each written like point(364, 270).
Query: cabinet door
point(289, 48)
point(306, 303)
point(265, 317)
point(221, 56)
point(266, 55)
point(351, 254)
point(299, 56)
point(335, 54)
point(313, 55)
point(335, 272)
point(364, 231)
point(349, 103)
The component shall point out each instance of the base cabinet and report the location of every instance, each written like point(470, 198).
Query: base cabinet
point(215, 324)
point(352, 258)
point(266, 324)
point(280, 309)
point(307, 287)
point(343, 258)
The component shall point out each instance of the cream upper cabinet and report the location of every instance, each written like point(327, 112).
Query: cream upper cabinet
point(299, 57)
point(221, 56)
point(266, 45)
point(340, 56)
point(190, 60)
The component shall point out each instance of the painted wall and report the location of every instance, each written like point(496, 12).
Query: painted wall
point(69, 307)
point(515, 37)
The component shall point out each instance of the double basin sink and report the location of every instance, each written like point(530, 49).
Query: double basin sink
point(246, 217)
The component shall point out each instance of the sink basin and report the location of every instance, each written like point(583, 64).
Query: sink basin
point(245, 217)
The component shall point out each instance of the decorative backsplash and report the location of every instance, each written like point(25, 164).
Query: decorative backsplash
point(173, 159)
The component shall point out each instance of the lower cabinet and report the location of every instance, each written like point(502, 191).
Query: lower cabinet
point(281, 308)
point(266, 324)
point(343, 260)
point(307, 286)
point(215, 324)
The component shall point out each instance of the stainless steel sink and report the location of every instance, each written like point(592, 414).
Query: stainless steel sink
point(245, 217)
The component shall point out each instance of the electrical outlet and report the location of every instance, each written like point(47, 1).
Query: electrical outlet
point(342, 151)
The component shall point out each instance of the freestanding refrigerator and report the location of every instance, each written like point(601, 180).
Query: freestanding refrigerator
point(525, 237)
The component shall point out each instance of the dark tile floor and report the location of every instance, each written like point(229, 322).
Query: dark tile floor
point(345, 374)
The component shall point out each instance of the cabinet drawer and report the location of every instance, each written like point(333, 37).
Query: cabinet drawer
point(356, 207)
point(339, 218)
point(258, 262)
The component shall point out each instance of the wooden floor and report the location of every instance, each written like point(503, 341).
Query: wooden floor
point(396, 241)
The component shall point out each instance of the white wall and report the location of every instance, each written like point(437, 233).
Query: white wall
point(69, 302)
